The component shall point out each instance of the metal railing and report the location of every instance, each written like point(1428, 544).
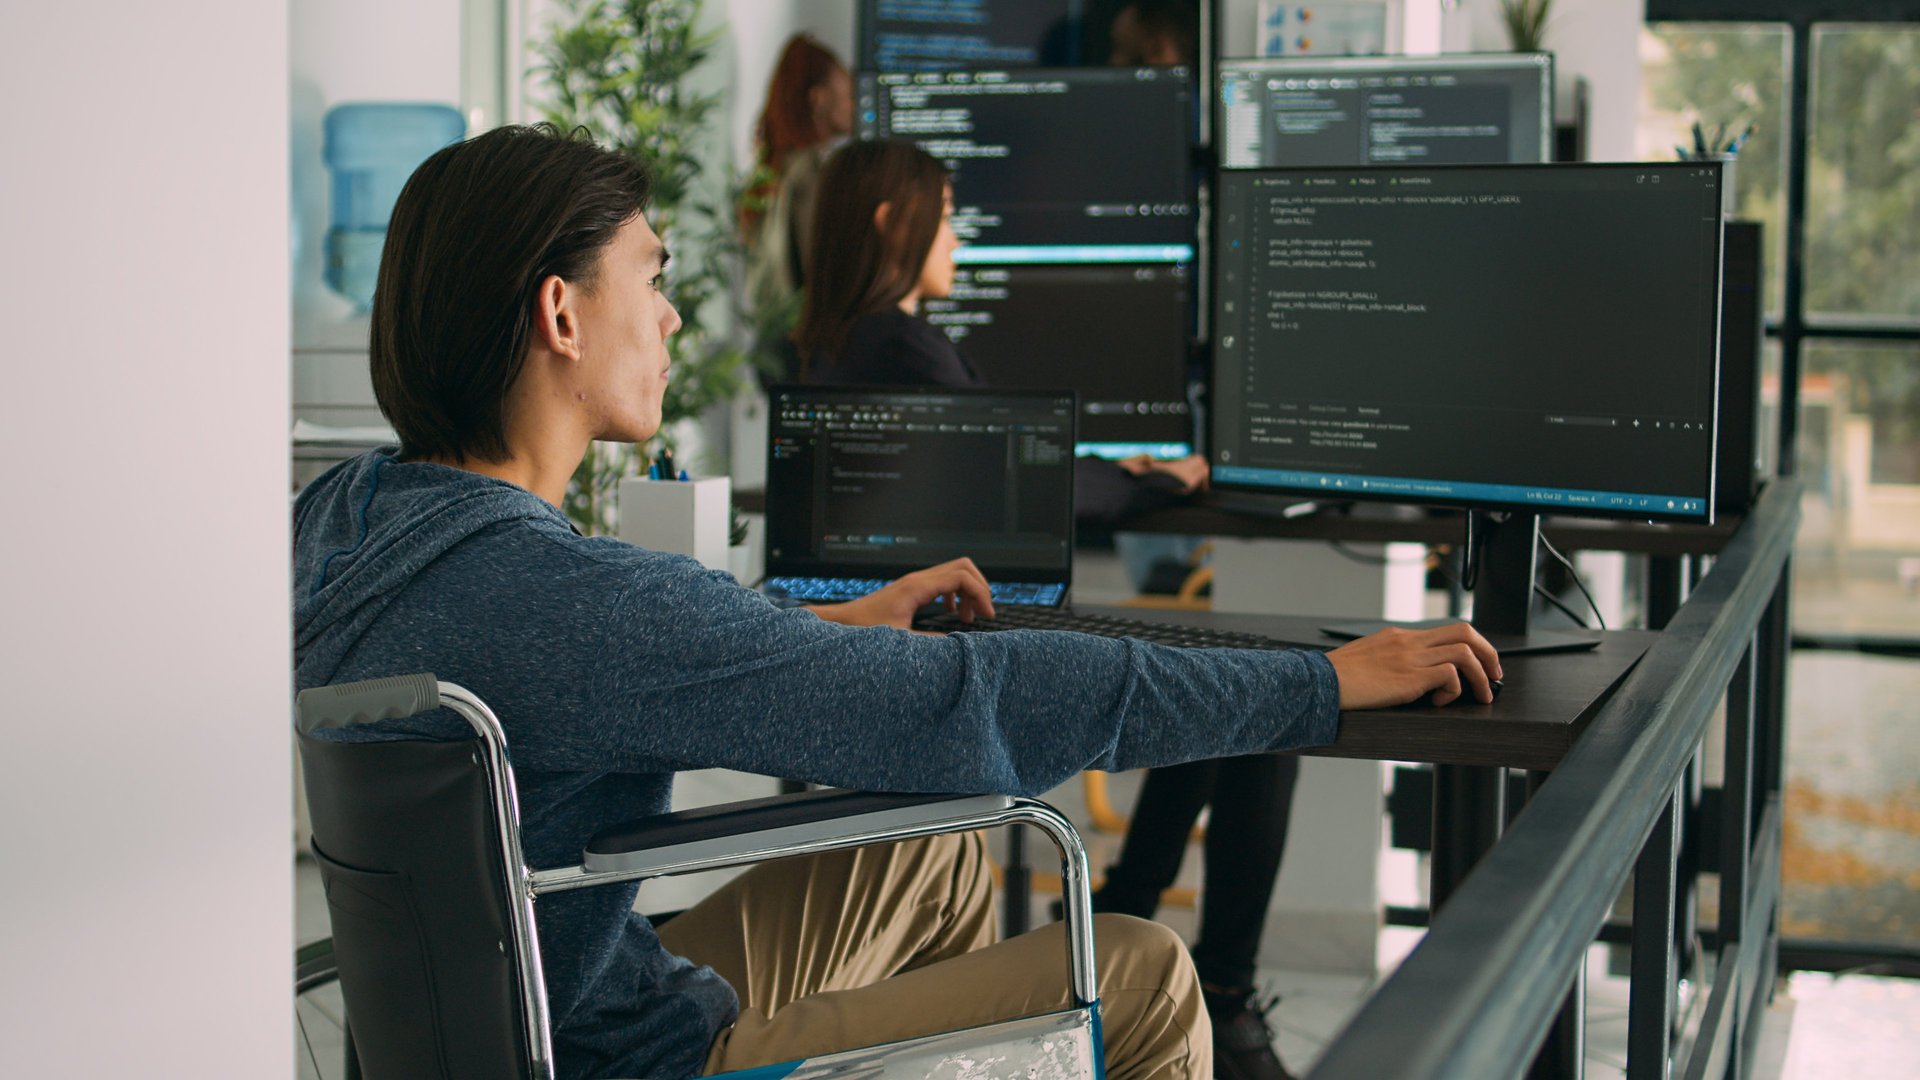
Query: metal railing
point(1482, 992)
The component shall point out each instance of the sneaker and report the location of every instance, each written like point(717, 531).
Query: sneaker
point(1242, 1037)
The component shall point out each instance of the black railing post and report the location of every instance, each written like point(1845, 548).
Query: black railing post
point(1650, 1001)
point(1736, 797)
point(1736, 840)
point(1563, 1056)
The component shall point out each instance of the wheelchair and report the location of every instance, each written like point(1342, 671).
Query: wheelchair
point(434, 948)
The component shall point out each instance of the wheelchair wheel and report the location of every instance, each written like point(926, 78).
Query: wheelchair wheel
point(322, 1044)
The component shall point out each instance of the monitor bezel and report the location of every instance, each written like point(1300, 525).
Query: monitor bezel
point(1711, 453)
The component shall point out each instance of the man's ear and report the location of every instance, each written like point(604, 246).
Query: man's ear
point(556, 322)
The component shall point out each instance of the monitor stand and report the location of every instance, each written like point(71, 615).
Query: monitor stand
point(1502, 592)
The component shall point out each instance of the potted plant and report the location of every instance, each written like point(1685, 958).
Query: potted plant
point(1526, 22)
point(623, 70)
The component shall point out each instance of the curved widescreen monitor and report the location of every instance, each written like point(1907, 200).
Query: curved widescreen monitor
point(1529, 337)
point(1460, 109)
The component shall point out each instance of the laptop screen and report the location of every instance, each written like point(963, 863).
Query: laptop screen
point(878, 482)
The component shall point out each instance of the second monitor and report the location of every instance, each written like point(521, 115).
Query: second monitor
point(1116, 333)
point(1536, 338)
point(1386, 110)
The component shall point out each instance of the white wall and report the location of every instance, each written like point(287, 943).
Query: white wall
point(143, 563)
point(1598, 40)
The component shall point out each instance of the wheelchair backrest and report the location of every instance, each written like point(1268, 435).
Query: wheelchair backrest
point(405, 835)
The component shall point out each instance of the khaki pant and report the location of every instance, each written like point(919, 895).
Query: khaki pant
point(853, 948)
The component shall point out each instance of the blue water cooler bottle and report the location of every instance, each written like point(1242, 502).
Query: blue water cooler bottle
point(371, 149)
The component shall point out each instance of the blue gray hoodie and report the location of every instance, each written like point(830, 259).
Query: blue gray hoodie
point(613, 667)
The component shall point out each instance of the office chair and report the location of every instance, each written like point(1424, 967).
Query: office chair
point(434, 944)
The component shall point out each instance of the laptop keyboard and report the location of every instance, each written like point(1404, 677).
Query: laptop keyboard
point(1022, 618)
point(836, 590)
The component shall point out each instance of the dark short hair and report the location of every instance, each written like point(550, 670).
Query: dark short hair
point(475, 231)
point(856, 267)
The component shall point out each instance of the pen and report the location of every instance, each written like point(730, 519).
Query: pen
point(1699, 140)
point(662, 465)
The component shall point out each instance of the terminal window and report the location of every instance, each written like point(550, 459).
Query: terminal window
point(927, 35)
point(1052, 159)
point(1539, 335)
point(923, 477)
point(1386, 111)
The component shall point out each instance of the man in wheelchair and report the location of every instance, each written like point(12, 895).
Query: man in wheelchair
point(519, 315)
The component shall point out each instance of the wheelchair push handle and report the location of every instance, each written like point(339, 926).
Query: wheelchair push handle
point(364, 702)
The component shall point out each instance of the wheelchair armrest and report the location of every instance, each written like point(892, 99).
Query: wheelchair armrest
point(777, 826)
point(347, 704)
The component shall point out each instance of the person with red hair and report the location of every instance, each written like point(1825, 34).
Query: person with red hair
point(809, 111)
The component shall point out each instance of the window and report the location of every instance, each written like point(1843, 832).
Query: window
point(1863, 175)
point(1841, 404)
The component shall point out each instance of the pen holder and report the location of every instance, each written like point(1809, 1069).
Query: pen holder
point(687, 517)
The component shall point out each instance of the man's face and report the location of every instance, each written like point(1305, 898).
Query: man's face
point(624, 323)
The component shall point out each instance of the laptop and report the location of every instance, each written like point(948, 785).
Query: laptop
point(866, 484)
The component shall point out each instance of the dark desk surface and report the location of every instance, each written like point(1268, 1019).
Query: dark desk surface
point(1545, 704)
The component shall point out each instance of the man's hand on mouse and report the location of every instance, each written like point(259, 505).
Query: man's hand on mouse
point(1396, 666)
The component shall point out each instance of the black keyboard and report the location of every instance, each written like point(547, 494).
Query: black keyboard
point(1032, 618)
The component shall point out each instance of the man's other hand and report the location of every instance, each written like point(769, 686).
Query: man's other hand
point(959, 585)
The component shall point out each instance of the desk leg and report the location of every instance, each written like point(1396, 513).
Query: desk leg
point(1666, 589)
point(1018, 894)
point(1469, 805)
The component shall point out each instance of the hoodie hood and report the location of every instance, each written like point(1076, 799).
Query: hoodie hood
point(365, 528)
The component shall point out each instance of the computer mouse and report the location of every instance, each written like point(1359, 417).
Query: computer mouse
point(1468, 697)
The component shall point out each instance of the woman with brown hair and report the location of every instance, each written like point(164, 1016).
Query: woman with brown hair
point(808, 112)
point(882, 242)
